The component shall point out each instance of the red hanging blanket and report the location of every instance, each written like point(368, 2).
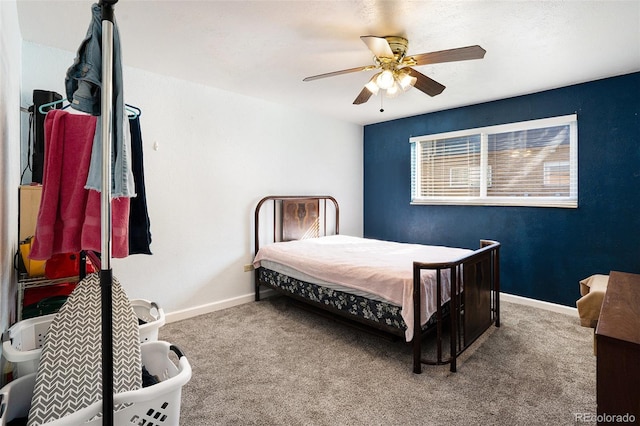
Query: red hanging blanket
point(69, 215)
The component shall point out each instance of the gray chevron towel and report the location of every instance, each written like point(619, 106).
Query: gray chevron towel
point(69, 376)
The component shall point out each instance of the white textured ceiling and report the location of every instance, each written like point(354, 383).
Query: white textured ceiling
point(265, 48)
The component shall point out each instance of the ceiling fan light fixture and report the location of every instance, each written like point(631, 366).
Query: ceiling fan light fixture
point(406, 81)
point(385, 80)
point(393, 91)
point(372, 86)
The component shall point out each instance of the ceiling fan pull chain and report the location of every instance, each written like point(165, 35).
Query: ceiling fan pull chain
point(381, 108)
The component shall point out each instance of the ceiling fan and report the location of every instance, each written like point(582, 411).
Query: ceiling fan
point(396, 73)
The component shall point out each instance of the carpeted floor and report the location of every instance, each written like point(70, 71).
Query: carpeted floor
point(271, 363)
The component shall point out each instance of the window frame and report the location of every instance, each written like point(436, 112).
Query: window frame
point(570, 201)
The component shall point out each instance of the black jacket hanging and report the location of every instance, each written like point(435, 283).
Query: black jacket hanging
point(40, 97)
point(139, 225)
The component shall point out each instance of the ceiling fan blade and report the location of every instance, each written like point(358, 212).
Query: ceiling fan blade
point(379, 46)
point(426, 84)
point(363, 96)
point(450, 55)
point(331, 74)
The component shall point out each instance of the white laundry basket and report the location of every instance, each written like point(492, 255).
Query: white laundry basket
point(158, 404)
point(25, 342)
point(153, 317)
point(26, 337)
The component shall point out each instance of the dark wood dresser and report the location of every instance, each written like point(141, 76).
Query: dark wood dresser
point(618, 349)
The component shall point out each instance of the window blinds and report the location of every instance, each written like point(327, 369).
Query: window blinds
point(529, 163)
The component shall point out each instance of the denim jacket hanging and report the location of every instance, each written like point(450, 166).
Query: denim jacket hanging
point(83, 86)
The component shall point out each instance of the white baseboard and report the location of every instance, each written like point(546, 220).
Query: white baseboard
point(235, 301)
point(213, 307)
point(539, 304)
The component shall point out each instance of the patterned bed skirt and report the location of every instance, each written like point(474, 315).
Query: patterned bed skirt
point(376, 312)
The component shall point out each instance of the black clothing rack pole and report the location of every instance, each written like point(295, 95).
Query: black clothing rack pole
point(106, 276)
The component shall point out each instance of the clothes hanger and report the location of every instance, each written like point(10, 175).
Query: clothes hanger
point(43, 106)
point(132, 111)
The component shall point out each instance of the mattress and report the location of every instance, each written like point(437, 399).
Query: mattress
point(375, 269)
point(301, 276)
point(344, 301)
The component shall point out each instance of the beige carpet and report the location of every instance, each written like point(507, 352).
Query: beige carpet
point(271, 363)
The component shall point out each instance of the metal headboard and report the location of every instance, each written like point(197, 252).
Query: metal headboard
point(303, 208)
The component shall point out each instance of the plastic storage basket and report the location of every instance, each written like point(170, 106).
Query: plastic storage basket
point(153, 317)
point(26, 337)
point(157, 405)
point(25, 342)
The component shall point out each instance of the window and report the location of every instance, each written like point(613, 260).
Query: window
point(462, 176)
point(531, 163)
point(556, 173)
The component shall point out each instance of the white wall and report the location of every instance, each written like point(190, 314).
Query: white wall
point(10, 51)
point(218, 154)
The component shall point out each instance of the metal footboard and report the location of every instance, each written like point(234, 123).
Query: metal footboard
point(472, 311)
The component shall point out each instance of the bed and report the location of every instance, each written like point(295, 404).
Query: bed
point(405, 290)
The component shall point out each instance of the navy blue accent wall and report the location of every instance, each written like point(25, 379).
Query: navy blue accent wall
point(545, 251)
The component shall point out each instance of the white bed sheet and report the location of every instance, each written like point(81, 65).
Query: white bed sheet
point(383, 269)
